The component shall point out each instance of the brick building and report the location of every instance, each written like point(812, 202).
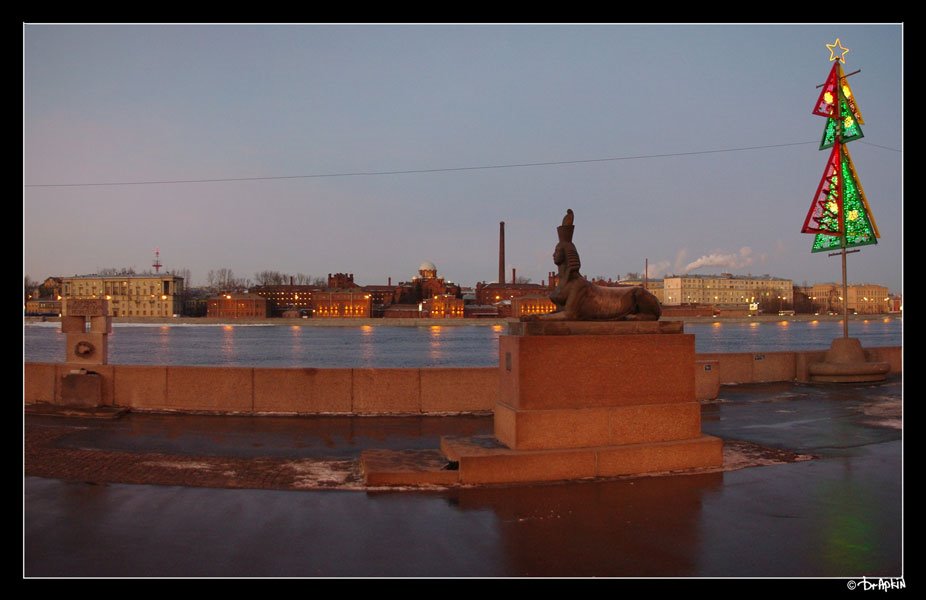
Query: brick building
point(531, 305)
point(493, 293)
point(384, 296)
point(237, 306)
point(428, 285)
point(340, 304)
point(403, 311)
point(283, 298)
point(480, 311)
point(341, 281)
point(442, 307)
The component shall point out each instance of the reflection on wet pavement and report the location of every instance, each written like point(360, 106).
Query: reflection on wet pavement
point(836, 516)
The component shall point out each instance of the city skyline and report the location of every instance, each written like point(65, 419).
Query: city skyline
point(136, 104)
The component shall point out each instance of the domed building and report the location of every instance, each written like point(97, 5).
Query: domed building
point(427, 270)
point(428, 285)
point(426, 295)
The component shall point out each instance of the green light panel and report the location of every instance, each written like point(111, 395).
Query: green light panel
point(858, 226)
point(847, 127)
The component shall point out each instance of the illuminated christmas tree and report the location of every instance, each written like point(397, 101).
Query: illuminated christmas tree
point(839, 215)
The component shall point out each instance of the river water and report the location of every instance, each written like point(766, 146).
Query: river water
point(389, 346)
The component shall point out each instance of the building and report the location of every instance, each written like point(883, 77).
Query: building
point(869, 299)
point(655, 286)
point(340, 304)
point(283, 298)
point(237, 306)
point(826, 297)
point(896, 303)
point(728, 291)
point(480, 311)
point(493, 293)
point(524, 306)
point(50, 288)
point(428, 285)
point(43, 307)
point(382, 296)
point(442, 307)
point(403, 311)
point(341, 281)
point(152, 295)
point(863, 298)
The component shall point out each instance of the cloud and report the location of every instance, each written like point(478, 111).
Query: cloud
point(724, 260)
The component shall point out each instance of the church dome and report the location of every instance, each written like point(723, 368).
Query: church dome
point(427, 266)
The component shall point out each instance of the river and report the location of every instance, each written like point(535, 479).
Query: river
point(388, 346)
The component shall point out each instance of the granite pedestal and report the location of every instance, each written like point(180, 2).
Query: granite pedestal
point(845, 362)
point(581, 400)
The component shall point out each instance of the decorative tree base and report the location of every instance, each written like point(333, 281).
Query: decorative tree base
point(845, 362)
point(576, 401)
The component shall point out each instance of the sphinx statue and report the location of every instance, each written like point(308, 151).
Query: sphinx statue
point(577, 299)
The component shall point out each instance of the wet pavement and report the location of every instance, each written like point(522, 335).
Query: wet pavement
point(839, 515)
point(251, 437)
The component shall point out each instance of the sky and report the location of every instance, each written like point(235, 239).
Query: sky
point(159, 103)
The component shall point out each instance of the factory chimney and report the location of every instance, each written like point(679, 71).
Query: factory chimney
point(501, 252)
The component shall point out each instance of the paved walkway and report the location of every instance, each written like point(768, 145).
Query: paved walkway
point(836, 515)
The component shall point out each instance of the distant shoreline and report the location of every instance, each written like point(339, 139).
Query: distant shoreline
point(360, 322)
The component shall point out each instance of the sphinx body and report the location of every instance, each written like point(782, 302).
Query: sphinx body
point(577, 299)
point(582, 300)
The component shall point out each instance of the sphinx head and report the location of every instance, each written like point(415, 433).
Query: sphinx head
point(565, 252)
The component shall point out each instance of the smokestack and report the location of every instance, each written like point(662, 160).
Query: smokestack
point(390, 282)
point(501, 252)
point(290, 280)
point(514, 275)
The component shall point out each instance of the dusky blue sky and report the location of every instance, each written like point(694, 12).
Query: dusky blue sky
point(124, 103)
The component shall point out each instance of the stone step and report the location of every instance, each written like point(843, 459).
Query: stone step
point(484, 460)
point(407, 467)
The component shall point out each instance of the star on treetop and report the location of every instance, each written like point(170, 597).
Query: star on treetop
point(832, 48)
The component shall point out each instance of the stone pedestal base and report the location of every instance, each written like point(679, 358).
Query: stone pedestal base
point(845, 362)
point(591, 427)
point(576, 401)
point(483, 460)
